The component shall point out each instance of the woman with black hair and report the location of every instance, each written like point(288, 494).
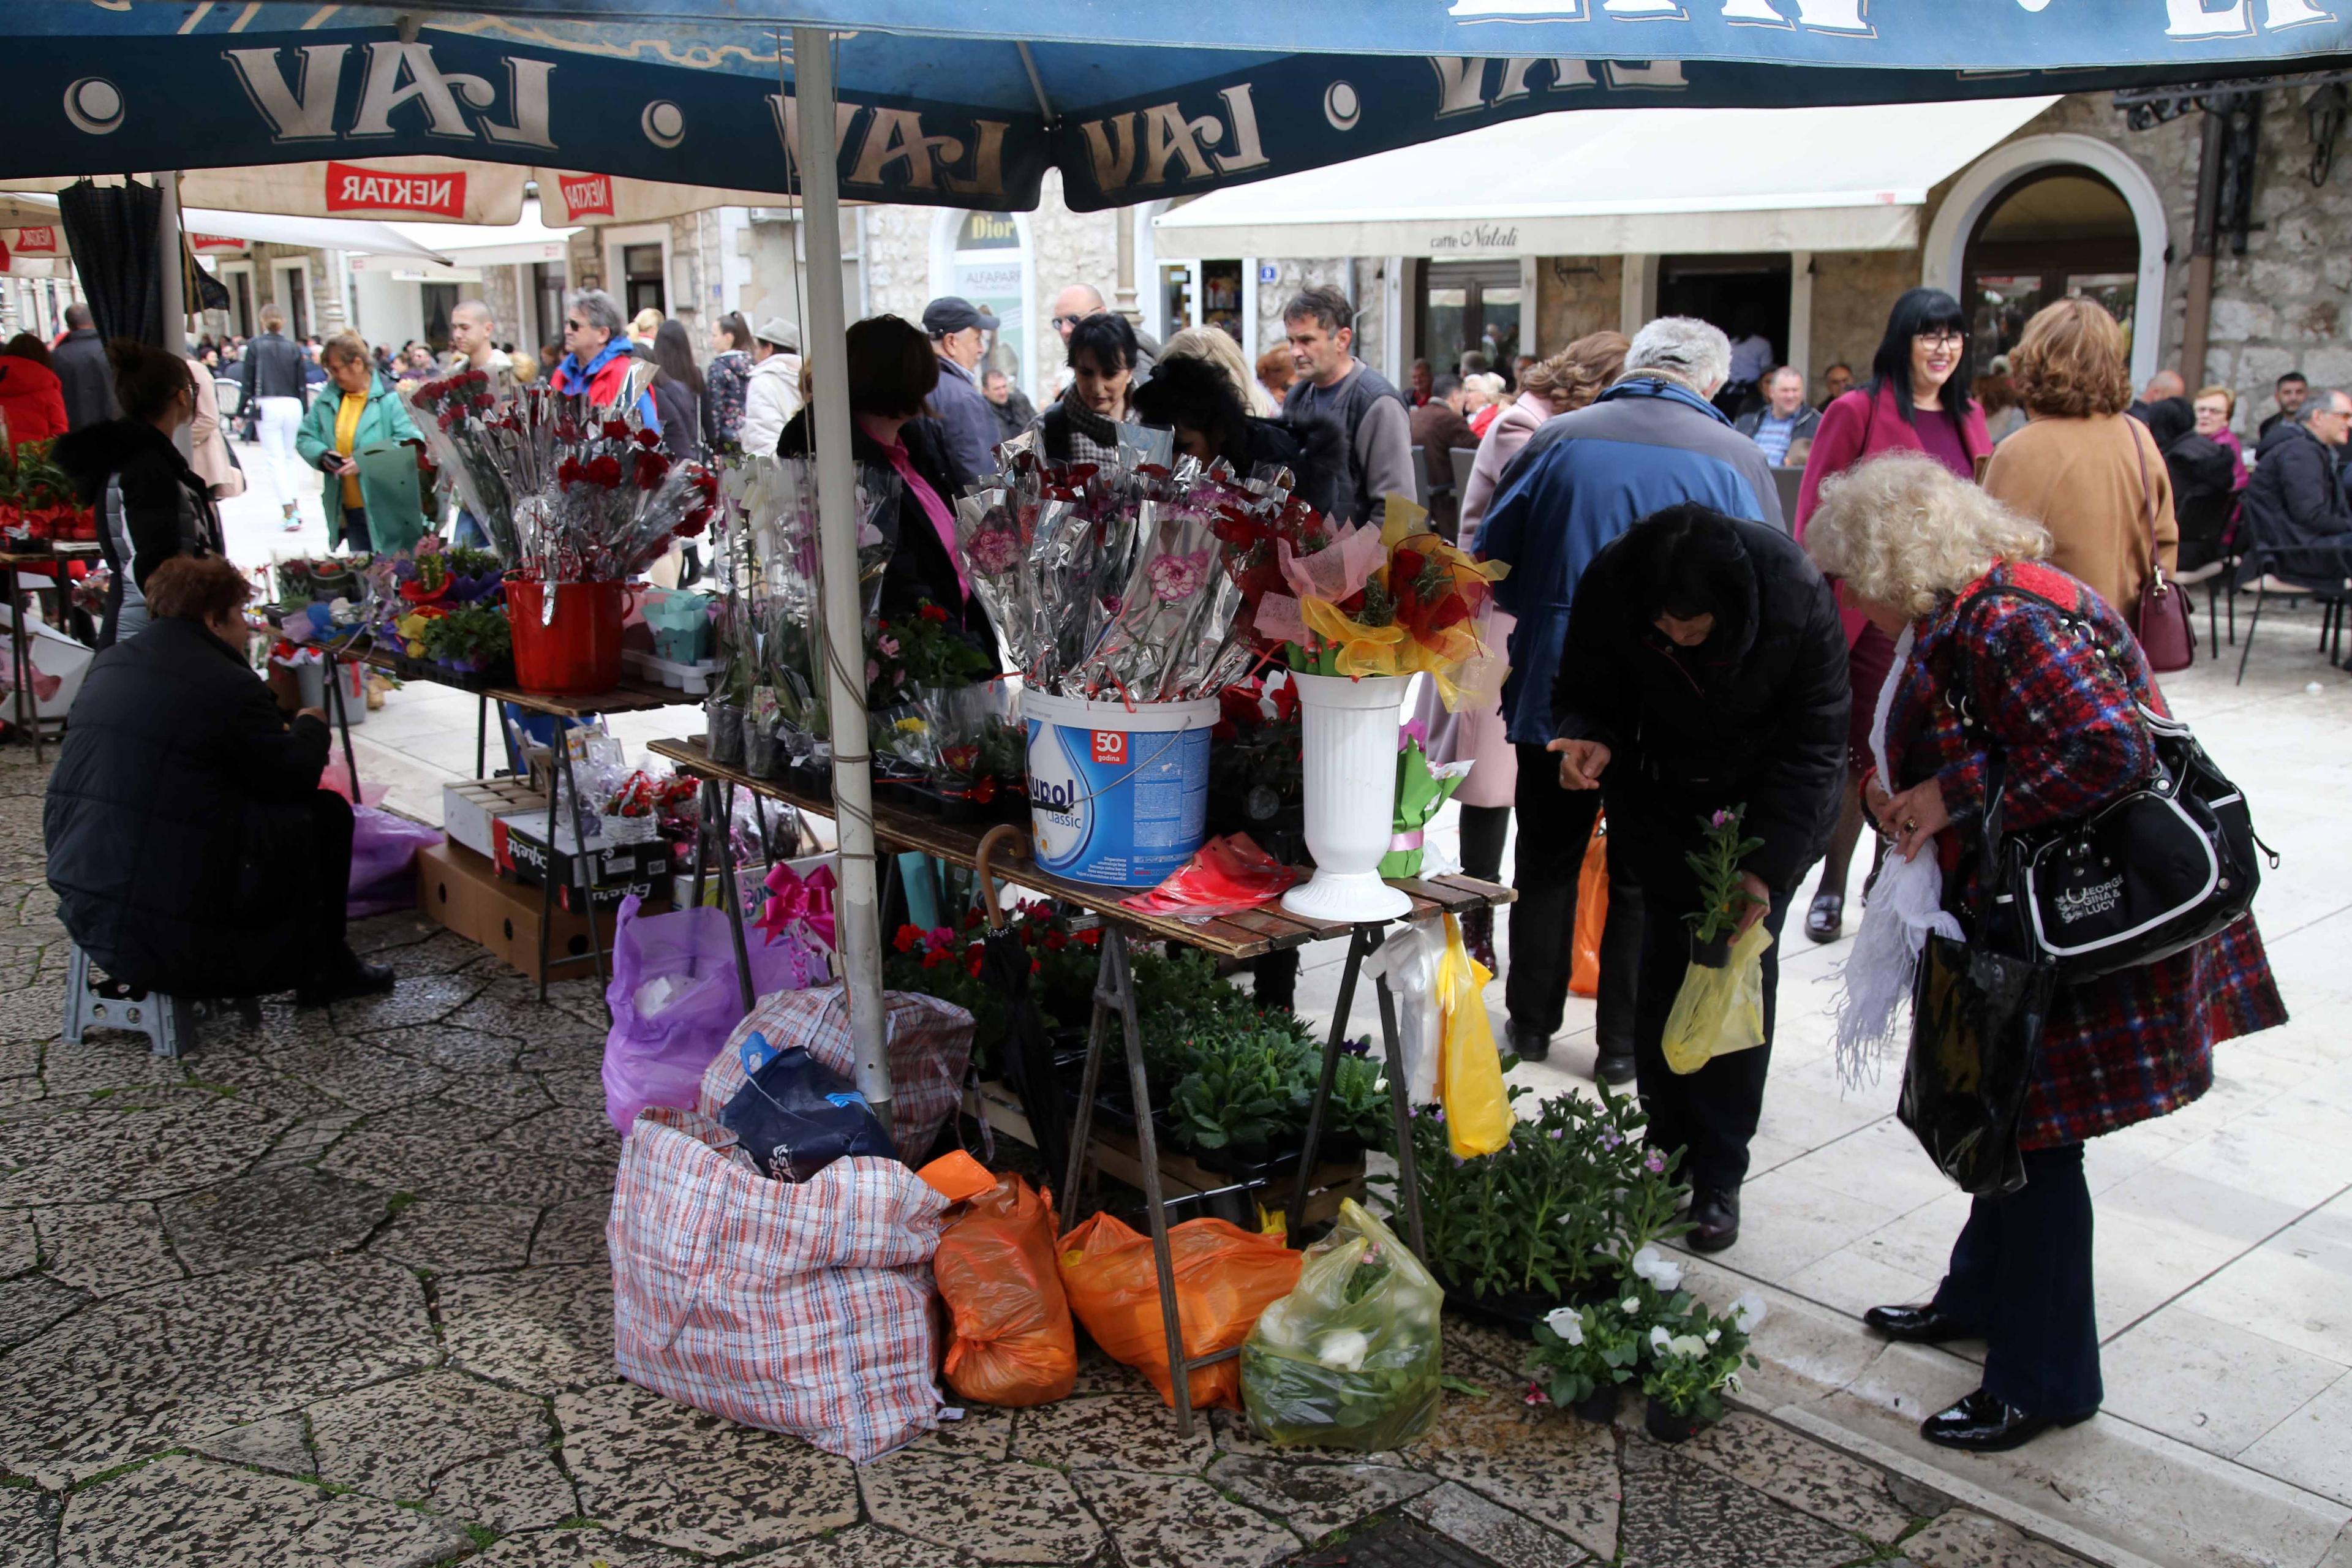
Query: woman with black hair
point(677, 392)
point(151, 505)
point(724, 385)
point(1199, 402)
point(1916, 400)
point(892, 371)
point(1705, 670)
point(1083, 427)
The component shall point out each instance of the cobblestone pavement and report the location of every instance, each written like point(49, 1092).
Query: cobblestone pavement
point(333, 1294)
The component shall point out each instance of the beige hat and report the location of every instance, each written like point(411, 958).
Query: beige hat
point(783, 333)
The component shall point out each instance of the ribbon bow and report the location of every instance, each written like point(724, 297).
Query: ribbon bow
point(797, 898)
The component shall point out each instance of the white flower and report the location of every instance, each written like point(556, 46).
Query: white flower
point(1343, 1350)
point(1629, 1306)
point(1748, 1309)
point(1686, 1345)
point(1731, 1382)
point(1659, 1270)
point(1567, 1322)
point(1659, 1337)
point(1712, 1335)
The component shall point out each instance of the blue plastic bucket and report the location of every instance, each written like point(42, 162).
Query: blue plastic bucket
point(1117, 795)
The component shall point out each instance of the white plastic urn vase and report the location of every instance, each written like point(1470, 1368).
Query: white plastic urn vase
point(1348, 733)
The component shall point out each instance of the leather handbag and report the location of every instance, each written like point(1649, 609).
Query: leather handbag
point(2161, 620)
point(2168, 865)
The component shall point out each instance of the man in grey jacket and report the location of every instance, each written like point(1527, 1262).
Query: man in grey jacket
point(958, 329)
point(1333, 386)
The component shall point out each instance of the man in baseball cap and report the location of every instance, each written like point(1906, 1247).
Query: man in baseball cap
point(958, 331)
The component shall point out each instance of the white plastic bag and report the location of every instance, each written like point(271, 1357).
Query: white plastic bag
point(1409, 961)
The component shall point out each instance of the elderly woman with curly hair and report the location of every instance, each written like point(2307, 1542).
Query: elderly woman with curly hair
point(1965, 588)
point(2082, 467)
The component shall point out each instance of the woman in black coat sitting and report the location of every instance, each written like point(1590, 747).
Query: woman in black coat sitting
point(190, 848)
point(892, 371)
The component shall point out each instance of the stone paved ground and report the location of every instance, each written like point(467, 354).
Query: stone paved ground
point(333, 1294)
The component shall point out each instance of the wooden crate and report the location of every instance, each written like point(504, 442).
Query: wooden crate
point(1116, 1156)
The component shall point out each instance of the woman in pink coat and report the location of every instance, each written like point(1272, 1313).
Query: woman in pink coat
point(1917, 401)
point(1568, 381)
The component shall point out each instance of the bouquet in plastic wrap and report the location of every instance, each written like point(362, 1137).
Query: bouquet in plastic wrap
point(1350, 1358)
point(1359, 600)
point(566, 492)
point(1112, 580)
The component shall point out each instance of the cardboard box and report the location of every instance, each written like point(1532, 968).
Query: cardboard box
point(521, 852)
point(468, 810)
point(463, 891)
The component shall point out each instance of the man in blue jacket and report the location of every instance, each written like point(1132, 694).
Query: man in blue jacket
point(1653, 440)
point(958, 331)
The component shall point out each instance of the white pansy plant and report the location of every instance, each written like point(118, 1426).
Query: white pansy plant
point(1695, 1358)
point(1582, 1351)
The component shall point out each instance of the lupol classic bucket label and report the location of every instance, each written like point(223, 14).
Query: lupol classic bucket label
point(1117, 795)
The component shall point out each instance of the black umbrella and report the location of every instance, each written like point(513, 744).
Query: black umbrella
point(111, 231)
point(1028, 1056)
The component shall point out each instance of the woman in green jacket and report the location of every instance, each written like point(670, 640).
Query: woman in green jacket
point(358, 410)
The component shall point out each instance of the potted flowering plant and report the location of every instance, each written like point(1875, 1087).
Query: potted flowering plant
point(1722, 900)
point(1584, 1355)
point(1694, 1359)
point(471, 639)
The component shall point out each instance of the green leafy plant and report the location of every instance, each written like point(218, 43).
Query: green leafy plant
point(1567, 1203)
point(471, 635)
point(1579, 1351)
point(1359, 1101)
point(919, 651)
point(1245, 1086)
point(1693, 1356)
point(1722, 900)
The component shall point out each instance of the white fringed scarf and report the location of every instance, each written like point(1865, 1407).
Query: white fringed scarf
point(1902, 906)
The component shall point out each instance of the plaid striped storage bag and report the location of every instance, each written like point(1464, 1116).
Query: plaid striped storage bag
point(929, 1042)
point(797, 1307)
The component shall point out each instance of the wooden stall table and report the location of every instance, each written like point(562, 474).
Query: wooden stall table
point(55, 560)
point(631, 696)
point(1249, 935)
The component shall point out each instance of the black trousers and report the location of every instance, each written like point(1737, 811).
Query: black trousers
point(1554, 825)
point(2020, 1274)
point(1710, 1114)
point(356, 538)
point(330, 839)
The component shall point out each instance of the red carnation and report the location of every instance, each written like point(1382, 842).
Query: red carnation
point(605, 471)
point(615, 430)
point(648, 439)
point(651, 467)
point(485, 402)
point(568, 472)
point(694, 524)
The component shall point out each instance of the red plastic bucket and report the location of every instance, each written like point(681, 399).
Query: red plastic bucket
point(580, 652)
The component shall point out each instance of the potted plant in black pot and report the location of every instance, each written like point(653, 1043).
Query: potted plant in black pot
point(1694, 1358)
point(1585, 1356)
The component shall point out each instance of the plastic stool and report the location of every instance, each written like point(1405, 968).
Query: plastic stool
point(168, 1021)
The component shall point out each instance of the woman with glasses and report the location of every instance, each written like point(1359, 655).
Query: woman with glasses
point(1916, 400)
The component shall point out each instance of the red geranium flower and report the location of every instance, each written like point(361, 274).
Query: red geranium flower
point(932, 612)
point(909, 938)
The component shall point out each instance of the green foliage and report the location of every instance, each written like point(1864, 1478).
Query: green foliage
point(1579, 1351)
point(1359, 1102)
point(1694, 1357)
point(1722, 847)
point(478, 634)
point(1568, 1201)
point(1245, 1086)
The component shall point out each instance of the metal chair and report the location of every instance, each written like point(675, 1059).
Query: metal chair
point(2318, 572)
point(1465, 459)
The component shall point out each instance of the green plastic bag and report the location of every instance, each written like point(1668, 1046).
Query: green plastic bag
point(1350, 1358)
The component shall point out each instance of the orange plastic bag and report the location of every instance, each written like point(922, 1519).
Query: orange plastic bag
point(1592, 913)
point(1225, 1277)
point(1009, 1338)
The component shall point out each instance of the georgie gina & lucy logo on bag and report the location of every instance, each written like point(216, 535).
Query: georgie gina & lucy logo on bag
point(2083, 903)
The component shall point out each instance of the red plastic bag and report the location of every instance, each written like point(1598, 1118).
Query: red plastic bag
point(1225, 1277)
point(1009, 1337)
point(1592, 913)
point(1224, 877)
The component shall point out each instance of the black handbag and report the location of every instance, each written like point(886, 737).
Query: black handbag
point(1978, 1011)
point(2143, 877)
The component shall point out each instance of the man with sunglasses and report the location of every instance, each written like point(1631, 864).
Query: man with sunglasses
point(597, 362)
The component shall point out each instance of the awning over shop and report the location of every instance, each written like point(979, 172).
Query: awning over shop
point(30, 228)
point(1616, 182)
point(528, 241)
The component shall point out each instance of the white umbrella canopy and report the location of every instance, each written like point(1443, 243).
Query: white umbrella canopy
point(39, 235)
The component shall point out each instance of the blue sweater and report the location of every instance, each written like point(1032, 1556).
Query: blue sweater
point(1581, 480)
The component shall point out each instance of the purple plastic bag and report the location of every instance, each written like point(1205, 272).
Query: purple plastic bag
point(383, 862)
point(664, 1036)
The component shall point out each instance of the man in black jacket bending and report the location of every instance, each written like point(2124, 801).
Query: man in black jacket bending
point(190, 848)
point(1705, 670)
point(2296, 496)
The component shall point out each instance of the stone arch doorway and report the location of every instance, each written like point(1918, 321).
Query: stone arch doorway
point(2053, 233)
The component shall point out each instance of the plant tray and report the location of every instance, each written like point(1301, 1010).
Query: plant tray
point(1517, 1313)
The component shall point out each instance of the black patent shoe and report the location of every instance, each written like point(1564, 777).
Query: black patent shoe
point(1921, 1325)
point(1982, 1423)
point(1528, 1045)
point(1614, 1068)
point(1714, 1219)
point(350, 979)
point(1826, 917)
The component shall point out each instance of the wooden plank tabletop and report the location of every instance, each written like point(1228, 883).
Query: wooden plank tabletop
point(632, 696)
point(1245, 935)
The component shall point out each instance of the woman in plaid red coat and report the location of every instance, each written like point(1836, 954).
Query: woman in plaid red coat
point(1922, 551)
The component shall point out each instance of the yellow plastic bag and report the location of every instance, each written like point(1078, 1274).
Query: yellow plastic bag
point(1720, 1011)
point(1469, 1070)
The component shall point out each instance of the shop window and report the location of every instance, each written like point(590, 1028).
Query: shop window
point(1471, 306)
point(989, 265)
point(2055, 234)
point(437, 300)
point(642, 283)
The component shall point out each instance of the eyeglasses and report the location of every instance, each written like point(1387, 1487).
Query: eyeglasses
point(575, 326)
point(1061, 321)
point(1947, 339)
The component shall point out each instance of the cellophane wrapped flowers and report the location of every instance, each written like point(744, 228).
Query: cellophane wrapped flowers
point(1356, 601)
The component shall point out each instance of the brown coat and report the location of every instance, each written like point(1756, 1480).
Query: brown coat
point(2090, 481)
